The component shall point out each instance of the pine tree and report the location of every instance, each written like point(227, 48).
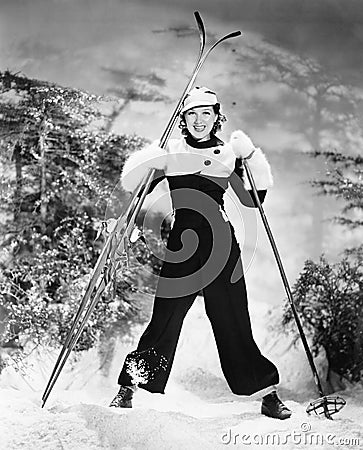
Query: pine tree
point(60, 168)
point(344, 181)
point(329, 297)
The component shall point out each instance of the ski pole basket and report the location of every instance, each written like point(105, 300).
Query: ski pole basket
point(327, 405)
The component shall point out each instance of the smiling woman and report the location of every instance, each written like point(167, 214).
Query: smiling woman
point(202, 254)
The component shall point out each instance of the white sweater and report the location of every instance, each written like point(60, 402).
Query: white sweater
point(180, 159)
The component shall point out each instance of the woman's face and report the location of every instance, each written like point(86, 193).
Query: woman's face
point(200, 121)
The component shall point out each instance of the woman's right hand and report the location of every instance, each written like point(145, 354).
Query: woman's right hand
point(139, 163)
point(155, 156)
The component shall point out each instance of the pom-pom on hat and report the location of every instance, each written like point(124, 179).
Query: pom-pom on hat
point(199, 96)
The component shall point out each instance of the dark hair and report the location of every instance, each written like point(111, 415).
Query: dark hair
point(221, 118)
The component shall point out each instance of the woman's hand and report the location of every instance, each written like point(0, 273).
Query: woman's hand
point(261, 171)
point(241, 144)
point(139, 163)
point(154, 156)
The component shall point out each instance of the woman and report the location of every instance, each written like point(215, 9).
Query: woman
point(202, 254)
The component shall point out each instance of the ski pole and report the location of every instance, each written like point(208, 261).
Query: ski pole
point(123, 226)
point(326, 405)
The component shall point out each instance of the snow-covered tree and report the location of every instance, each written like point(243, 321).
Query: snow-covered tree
point(60, 170)
point(329, 296)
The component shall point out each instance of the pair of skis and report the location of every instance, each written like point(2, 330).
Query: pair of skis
point(116, 244)
point(117, 241)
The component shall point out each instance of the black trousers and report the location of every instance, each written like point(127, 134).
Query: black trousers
point(209, 260)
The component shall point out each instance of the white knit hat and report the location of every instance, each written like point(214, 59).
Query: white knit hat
point(199, 96)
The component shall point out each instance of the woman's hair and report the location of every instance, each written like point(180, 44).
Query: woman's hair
point(221, 118)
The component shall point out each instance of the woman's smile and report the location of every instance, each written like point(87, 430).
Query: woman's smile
point(199, 128)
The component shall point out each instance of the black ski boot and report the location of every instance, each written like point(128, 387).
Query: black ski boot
point(124, 398)
point(272, 406)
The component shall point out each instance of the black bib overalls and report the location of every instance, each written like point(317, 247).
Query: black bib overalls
point(202, 256)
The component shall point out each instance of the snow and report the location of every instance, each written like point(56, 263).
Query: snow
point(12, 96)
point(198, 410)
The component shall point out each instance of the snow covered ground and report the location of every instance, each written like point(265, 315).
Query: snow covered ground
point(197, 412)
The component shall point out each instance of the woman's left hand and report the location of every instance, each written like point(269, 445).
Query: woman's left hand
point(241, 143)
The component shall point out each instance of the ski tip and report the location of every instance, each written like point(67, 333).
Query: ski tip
point(198, 17)
point(236, 33)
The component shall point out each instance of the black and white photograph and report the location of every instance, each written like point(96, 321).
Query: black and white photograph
point(181, 224)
